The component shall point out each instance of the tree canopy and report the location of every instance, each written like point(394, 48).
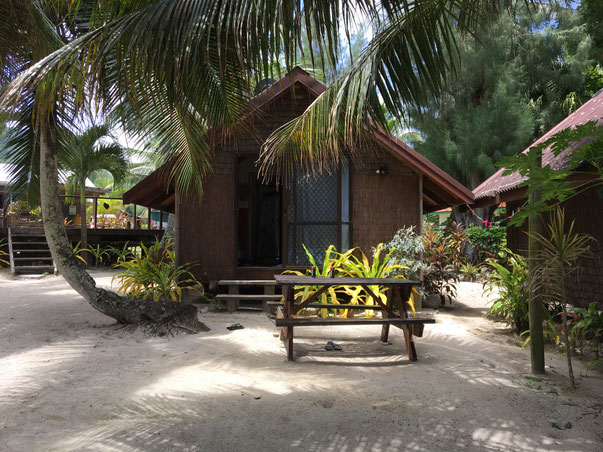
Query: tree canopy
point(518, 77)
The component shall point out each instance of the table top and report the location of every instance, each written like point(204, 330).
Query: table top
point(341, 281)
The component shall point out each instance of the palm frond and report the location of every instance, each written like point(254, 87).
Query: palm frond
point(407, 62)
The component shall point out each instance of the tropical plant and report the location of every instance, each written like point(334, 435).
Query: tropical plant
point(487, 242)
point(470, 272)
point(332, 261)
point(97, 253)
point(120, 254)
point(590, 326)
point(77, 252)
point(407, 248)
point(3, 253)
point(557, 259)
point(155, 276)
point(379, 267)
point(508, 284)
point(84, 153)
point(439, 276)
point(455, 241)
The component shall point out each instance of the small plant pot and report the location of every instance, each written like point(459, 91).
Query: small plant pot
point(417, 329)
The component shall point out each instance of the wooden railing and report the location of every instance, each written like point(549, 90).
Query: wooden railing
point(107, 213)
point(122, 217)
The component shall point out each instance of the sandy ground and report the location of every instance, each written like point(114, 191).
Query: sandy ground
point(70, 380)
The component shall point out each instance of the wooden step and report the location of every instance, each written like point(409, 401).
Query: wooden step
point(260, 296)
point(247, 282)
point(33, 258)
point(31, 251)
point(34, 268)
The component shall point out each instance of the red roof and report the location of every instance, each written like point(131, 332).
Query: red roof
point(497, 183)
point(440, 189)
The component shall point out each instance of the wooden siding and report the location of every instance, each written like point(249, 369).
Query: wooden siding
point(206, 229)
point(207, 233)
point(587, 211)
point(382, 204)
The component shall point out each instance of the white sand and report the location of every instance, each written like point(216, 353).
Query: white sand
point(69, 380)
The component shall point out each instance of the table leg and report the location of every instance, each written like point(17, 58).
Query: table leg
point(268, 290)
point(232, 304)
point(403, 294)
point(384, 313)
point(288, 293)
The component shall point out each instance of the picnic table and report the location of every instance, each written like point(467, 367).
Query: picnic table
point(398, 294)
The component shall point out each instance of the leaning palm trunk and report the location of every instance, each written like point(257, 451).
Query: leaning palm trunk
point(124, 310)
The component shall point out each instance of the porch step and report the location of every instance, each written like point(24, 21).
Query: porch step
point(247, 282)
point(34, 258)
point(29, 253)
point(233, 298)
point(227, 296)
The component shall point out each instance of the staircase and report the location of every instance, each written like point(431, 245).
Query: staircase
point(29, 252)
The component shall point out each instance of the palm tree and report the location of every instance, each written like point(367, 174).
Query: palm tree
point(84, 153)
point(178, 69)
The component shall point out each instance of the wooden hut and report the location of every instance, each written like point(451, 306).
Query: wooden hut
point(245, 229)
point(586, 208)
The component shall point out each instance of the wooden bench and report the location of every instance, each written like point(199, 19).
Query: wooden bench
point(233, 297)
point(398, 293)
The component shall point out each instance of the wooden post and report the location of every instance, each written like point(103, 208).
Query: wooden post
point(95, 210)
point(384, 314)
point(288, 292)
point(161, 220)
point(135, 218)
point(535, 303)
point(232, 304)
point(268, 290)
point(149, 218)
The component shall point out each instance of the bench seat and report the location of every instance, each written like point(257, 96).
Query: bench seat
point(284, 322)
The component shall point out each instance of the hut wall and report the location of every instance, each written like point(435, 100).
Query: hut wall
point(586, 209)
point(206, 231)
point(382, 204)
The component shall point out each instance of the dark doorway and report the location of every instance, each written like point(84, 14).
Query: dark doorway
point(259, 208)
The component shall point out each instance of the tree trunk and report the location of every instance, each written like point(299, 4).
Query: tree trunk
point(535, 302)
point(568, 352)
point(169, 230)
point(163, 315)
point(83, 221)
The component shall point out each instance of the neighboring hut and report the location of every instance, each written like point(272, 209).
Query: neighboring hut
point(6, 197)
point(585, 208)
point(245, 229)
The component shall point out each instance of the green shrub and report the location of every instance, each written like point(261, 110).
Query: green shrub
point(511, 283)
point(487, 241)
point(590, 326)
point(406, 248)
point(155, 276)
point(439, 276)
point(3, 253)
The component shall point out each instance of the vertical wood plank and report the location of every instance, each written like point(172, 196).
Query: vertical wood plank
point(288, 292)
point(385, 314)
point(232, 304)
point(402, 295)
